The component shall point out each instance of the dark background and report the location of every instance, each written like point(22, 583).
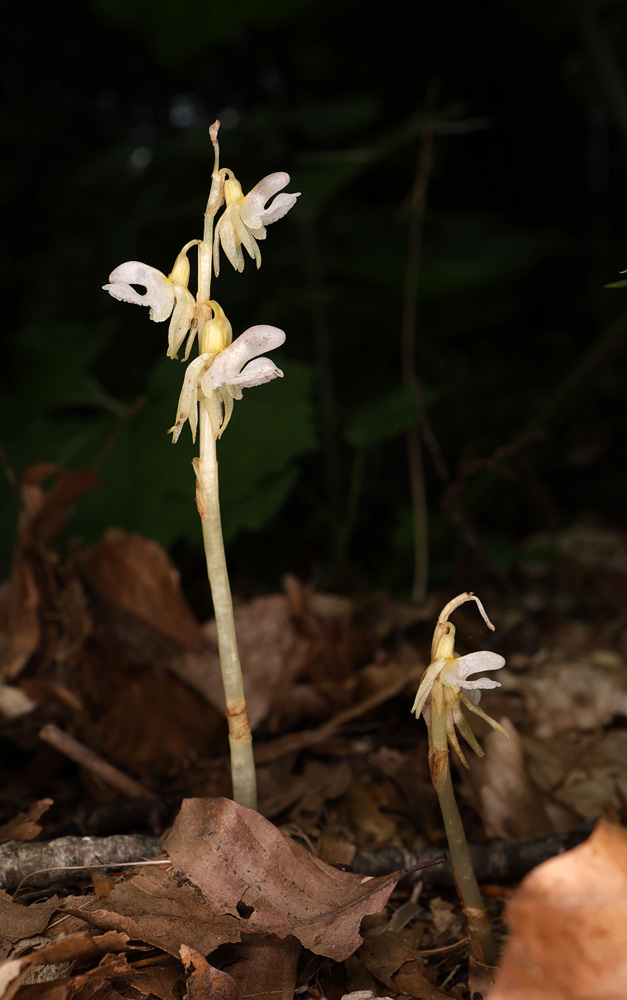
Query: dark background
point(518, 343)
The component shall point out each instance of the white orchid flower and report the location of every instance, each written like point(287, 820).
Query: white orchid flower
point(448, 673)
point(244, 219)
point(219, 378)
point(165, 296)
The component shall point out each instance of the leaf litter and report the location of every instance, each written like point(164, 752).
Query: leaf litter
point(104, 646)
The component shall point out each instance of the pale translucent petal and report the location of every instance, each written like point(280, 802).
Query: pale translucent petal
point(187, 408)
point(256, 372)
point(487, 718)
point(228, 364)
point(428, 679)
point(482, 683)
point(245, 237)
point(279, 207)
point(461, 667)
point(466, 732)
point(159, 296)
point(181, 319)
point(253, 209)
point(226, 237)
point(452, 738)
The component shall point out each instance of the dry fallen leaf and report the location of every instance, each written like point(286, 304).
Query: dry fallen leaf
point(392, 958)
point(237, 875)
point(135, 577)
point(511, 805)
point(82, 946)
point(24, 826)
point(247, 869)
point(203, 981)
point(264, 967)
point(567, 925)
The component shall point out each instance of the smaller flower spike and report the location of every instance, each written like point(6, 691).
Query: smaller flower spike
point(447, 674)
point(165, 296)
point(244, 219)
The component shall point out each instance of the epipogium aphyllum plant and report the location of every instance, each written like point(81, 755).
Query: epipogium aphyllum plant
point(213, 380)
point(440, 699)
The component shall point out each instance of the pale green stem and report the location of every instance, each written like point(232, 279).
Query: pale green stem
point(208, 503)
point(468, 890)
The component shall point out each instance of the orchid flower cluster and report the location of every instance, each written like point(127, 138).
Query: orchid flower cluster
point(212, 382)
point(221, 371)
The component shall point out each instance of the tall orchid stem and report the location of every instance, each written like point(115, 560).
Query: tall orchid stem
point(467, 888)
point(208, 503)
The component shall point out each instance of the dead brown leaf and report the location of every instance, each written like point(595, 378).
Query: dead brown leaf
point(24, 826)
point(568, 926)
point(32, 598)
point(203, 981)
point(19, 922)
point(82, 946)
point(160, 910)
point(392, 959)
point(511, 805)
point(247, 869)
point(134, 575)
point(264, 967)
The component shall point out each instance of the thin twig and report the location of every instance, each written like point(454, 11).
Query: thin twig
point(92, 762)
point(408, 359)
point(293, 742)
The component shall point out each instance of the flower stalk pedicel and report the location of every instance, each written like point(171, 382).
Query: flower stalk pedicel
point(212, 382)
point(440, 699)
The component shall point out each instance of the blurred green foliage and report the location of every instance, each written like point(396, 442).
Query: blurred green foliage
point(105, 123)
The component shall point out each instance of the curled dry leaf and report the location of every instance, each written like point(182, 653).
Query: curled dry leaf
point(568, 926)
point(249, 871)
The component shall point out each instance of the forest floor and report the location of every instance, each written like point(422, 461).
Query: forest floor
point(115, 750)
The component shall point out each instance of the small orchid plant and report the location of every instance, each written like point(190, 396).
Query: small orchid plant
point(440, 699)
point(212, 382)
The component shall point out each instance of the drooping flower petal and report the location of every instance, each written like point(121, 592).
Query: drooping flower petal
point(254, 213)
point(187, 407)
point(428, 680)
point(184, 309)
point(483, 715)
point(159, 295)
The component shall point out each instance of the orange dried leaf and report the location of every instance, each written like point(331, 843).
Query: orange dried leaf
point(568, 926)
